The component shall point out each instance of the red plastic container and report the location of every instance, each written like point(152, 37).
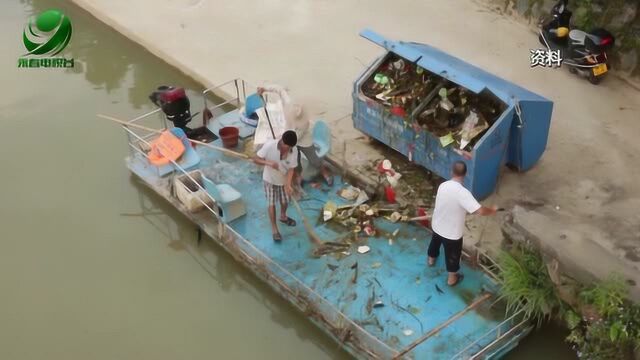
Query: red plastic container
point(390, 194)
point(229, 136)
point(423, 212)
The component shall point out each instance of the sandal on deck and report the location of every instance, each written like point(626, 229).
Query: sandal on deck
point(277, 237)
point(289, 221)
point(459, 278)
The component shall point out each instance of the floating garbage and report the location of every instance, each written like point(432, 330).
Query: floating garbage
point(378, 304)
point(395, 217)
point(363, 249)
point(376, 265)
point(407, 332)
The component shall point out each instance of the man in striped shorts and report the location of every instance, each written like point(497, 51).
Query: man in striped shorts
point(280, 158)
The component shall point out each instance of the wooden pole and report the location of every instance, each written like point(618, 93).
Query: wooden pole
point(122, 122)
point(268, 119)
point(442, 326)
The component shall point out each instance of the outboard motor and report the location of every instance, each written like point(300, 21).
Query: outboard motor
point(175, 104)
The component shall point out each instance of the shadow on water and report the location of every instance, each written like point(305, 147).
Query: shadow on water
point(222, 268)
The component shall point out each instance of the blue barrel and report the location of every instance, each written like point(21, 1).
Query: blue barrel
point(516, 140)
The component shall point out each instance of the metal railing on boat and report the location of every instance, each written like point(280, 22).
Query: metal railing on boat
point(305, 298)
point(318, 309)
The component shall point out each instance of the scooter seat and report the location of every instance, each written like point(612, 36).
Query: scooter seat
point(577, 37)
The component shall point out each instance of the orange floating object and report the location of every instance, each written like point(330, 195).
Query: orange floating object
point(166, 148)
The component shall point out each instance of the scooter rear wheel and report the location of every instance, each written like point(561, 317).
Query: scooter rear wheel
point(595, 80)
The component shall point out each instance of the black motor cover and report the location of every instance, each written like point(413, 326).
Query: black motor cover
point(174, 103)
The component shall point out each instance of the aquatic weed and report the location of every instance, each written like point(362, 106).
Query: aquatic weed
point(527, 286)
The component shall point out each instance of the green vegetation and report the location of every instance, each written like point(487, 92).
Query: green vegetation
point(604, 323)
point(610, 325)
point(526, 285)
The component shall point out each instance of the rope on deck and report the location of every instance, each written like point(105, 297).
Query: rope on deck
point(438, 328)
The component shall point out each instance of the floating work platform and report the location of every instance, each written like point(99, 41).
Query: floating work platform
point(382, 304)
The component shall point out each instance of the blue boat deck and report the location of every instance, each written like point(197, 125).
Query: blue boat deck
point(416, 300)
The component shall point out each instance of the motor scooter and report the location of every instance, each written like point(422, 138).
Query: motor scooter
point(585, 53)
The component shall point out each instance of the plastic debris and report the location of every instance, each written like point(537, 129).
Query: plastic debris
point(390, 194)
point(329, 210)
point(368, 229)
point(378, 304)
point(381, 79)
point(376, 265)
point(446, 140)
point(407, 332)
point(395, 217)
point(398, 65)
point(393, 179)
point(395, 232)
point(473, 125)
point(384, 166)
point(349, 193)
point(390, 241)
point(398, 111)
point(369, 212)
point(363, 249)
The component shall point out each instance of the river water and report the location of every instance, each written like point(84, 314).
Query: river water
point(92, 264)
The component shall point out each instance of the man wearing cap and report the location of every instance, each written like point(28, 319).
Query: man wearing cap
point(296, 119)
point(453, 203)
point(280, 158)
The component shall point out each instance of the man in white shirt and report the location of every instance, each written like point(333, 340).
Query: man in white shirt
point(280, 158)
point(296, 119)
point(453, 202)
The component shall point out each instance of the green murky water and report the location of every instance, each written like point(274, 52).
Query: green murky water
point(94, 266)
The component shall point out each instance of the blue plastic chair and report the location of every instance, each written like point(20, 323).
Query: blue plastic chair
point(321, 138)
point(253, 102)
point(228, 200)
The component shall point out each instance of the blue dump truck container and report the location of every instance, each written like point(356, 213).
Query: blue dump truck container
point(516, 120)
